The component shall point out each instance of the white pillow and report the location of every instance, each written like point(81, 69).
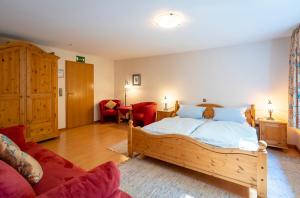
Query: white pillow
point(190, 111)
point(230, 114)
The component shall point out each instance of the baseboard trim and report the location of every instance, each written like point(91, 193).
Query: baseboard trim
point(294, 147)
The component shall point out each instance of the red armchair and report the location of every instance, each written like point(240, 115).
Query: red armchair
point(143, 113)
point(106, 112)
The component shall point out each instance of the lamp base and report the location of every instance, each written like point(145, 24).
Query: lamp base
point(166, 107)
point(270, 115)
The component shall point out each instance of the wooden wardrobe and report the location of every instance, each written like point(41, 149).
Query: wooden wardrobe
point(28, 89)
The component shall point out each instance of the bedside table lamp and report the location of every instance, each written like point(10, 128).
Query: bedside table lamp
point(165, 102)
point(126, 87)
point(270, 110)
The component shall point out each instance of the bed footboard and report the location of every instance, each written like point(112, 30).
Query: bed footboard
point(247, 168)
point(262, 169)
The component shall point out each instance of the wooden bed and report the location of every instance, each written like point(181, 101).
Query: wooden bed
point(247, 168)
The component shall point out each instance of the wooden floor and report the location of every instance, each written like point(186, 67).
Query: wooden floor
point(87, 146)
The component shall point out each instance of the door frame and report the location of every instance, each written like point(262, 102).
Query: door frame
point(67, 95)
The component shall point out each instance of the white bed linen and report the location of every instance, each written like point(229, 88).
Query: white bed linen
point(175, 125)
point(227, 134)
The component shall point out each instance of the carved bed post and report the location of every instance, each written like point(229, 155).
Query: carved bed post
point(175, 109)
point(176, 106)
point(130, 151)
point(252, 109)
point(262, 170)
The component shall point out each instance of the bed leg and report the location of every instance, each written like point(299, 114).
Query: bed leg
point(141, 156)
point(262, 170)
point(130, 151)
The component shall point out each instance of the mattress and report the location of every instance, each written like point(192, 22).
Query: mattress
point(224, 134)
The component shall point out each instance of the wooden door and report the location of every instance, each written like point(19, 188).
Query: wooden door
point(80, 93)
point(41, 95)
point(12, 70)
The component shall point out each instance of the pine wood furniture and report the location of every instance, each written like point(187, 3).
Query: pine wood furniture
point(274, 132)
point(161, 114)
point(80, 94)
point(247, 168)
point(28, 89)
point(124, 112)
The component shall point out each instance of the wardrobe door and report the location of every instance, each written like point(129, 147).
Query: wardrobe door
point(11, 91)
point(41, 96)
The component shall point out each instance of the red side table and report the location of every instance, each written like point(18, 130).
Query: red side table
point(124, 112)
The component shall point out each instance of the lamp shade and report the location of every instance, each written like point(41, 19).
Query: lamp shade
point(127, 85)
point(165, 100)
point(169, 19)
point(270, 106)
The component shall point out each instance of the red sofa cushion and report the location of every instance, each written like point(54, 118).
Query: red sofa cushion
point(103, 181)
point(16, 134)
point(57, 170)
point(12, 184)
point(120, 194)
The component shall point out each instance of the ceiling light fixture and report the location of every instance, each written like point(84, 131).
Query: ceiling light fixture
point(169, 19)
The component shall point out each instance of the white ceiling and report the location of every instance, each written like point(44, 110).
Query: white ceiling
point(121, 29)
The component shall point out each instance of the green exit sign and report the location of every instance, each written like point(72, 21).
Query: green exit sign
point(80, 59)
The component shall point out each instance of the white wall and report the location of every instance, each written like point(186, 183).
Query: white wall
point(231, 76)
point(103, 80)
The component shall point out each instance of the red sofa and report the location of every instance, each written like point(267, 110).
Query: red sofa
point(61, 178)
point(106, 112)
point(143, 113)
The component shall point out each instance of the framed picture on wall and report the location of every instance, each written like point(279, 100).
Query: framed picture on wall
point(136, 79)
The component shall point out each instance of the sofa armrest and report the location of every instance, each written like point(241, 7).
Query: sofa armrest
point(16, 134)
point(102, 181)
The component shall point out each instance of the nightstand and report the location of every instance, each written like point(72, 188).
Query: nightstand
point(124, 112)
point(161, 114)
point(274, 132)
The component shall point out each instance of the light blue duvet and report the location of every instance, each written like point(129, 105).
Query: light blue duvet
point(225, 134)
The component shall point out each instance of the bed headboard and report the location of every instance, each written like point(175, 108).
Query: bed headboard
point(209, 111)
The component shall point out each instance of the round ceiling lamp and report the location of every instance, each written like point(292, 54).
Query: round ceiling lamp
point(169, 19)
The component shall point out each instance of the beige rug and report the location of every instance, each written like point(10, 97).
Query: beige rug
point(153, 178)
point(120, 147)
